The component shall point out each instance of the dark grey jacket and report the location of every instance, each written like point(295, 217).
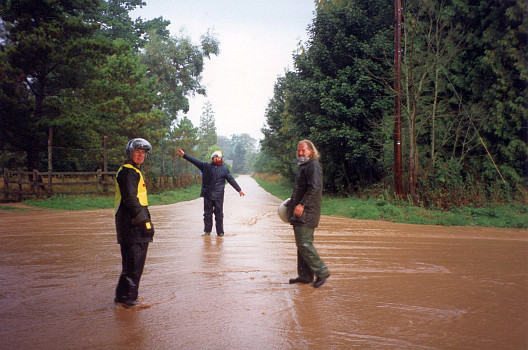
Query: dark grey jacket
point(308, 191)
point(213, 178)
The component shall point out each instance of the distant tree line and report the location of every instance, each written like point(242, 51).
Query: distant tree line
point(464, 100)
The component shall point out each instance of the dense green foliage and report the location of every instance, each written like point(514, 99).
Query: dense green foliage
point(207, 137)
point(464, 101)
point(50, 47)
point(240, 149)
point(335, 97)
point(74, 72)
point(511, 215)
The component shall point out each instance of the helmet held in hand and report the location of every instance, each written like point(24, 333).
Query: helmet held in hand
point(283, 211)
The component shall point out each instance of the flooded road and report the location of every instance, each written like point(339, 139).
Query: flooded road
point(393, 286)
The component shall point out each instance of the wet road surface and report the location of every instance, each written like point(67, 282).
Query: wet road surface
point(393, 286)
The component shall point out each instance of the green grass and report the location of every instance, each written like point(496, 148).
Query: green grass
point(72, 202)
point(12, 209)
point(278, 190)
point(89, 202)
point(507, 216)
point(180, 195)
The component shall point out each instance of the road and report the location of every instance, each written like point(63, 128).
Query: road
point(393, 286)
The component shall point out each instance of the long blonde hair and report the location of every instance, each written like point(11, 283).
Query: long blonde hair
point(315, 153)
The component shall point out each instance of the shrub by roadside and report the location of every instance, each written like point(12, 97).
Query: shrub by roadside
point(507, 216)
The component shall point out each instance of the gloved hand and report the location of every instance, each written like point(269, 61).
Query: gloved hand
point(141, 217)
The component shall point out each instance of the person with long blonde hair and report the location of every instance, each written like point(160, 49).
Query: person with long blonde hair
point(304, 213)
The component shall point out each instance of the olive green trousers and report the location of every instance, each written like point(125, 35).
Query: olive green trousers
point(308, 261)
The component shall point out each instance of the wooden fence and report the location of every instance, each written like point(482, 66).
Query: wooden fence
point(18, 184)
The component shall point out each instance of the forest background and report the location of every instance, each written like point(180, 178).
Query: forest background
point(72, 72)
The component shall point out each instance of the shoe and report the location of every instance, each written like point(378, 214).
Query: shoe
point(206, 234)
point(221, 234)
point(127, 303)
point(297, 280)
point(320, 280)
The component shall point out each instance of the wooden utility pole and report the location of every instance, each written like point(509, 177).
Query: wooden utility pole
point(398, 187)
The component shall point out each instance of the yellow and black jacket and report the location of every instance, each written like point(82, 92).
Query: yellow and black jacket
point(132, 217)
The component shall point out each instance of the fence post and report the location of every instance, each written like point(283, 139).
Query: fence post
point(20, 186)
point(99, 179)
point(50, 183)
point(34, 185)
point(105, 163)
point(6, 184)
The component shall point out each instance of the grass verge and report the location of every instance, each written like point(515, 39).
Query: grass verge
point(90, 202)
point(507, 216)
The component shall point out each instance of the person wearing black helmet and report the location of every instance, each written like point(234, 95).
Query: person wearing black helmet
point(132, 219)
point(214, 176)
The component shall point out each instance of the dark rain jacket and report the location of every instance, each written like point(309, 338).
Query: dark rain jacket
point(132, 214)
point(213, 178)
point(308, 191)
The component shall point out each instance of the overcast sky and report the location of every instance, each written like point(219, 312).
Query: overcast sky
point(257, 40)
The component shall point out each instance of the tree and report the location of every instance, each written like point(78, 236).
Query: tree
point(493, 72)
point(75, 73)
point(279, 143)
point(455, 63)
point(119, 101)
point(465, 99)
point(177, 64)
point(240, 149)
point(334, 97)
point(225, 146)
point(206, 133)
point(184, 136)
point(117, 24)
point(49, 47)
point(431, 122)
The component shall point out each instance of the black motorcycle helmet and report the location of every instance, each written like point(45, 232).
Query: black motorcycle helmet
point(137, 144)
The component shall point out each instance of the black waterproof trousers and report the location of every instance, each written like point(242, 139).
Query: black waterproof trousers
point(215, 207)
point(133, 259)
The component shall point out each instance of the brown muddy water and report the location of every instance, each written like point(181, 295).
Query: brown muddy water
point(393, 286)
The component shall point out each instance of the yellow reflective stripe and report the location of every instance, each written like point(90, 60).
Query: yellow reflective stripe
point(141, 190)
point(117, 198)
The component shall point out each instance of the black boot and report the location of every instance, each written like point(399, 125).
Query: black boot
point(298, 280)
point(320, 280)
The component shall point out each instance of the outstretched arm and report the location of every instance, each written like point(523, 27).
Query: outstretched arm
point(199, 164)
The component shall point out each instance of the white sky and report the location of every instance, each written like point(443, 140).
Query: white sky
point(257, 41)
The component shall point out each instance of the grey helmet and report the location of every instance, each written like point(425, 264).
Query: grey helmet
point(137, 144)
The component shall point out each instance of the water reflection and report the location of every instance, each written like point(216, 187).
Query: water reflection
point(211, 254)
